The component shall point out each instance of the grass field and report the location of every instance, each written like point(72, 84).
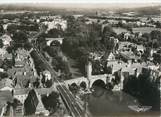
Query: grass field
point(145, 29)
point(119, 30)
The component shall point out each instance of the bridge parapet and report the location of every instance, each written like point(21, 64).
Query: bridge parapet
point(89, 82)
point(78, 81)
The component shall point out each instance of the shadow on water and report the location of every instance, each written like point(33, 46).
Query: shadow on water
point(98, 92)
point(107, 103)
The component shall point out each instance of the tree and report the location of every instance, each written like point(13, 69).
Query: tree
point(1, 43)
point(55, 33)
point(97, 68)
point(48, 83)
point(108, 31)
point(155, 34)
point(157, 57)
point(20, 37)
point(36, 83)
point(156, 38)
point(146, 35)
point(55, 64)
point(20, 40)
point(108, 37)
point(3, 75)
point(51, 102)
point(41, 42)
point(55, 43)
point(12, 28)
point(158, 24)
point(52, 50)
point(72, 26)
point(7, 64)
point(1, 29)
point(149, 92)
point(69, 45)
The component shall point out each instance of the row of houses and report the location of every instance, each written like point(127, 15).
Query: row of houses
point(56, 22)
point(28, 102)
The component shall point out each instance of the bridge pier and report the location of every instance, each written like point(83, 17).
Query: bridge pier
point(88, 81)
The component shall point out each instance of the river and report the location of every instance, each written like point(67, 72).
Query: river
point(108, 104)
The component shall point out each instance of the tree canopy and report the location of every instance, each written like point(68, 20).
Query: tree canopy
point(1, 43)
point(51, 102)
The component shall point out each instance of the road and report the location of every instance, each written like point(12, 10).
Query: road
point(68, 97)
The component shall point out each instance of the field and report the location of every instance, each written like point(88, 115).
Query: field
point(119, 30)
point(145, 29)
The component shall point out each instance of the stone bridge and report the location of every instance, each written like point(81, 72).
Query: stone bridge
point(89, 82)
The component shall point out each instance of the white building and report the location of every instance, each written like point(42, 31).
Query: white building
point(56, 23)
point(6, 85)
point(6, 39)
point(21, 94)
point(47, 75)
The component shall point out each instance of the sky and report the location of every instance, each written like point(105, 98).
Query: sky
point(79, 1)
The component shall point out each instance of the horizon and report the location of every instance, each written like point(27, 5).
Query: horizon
point(85, 5)
point(80, 1)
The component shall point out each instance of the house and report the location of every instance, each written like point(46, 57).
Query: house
point(5, 96)
point(128, 56)
point(140, 48)
point(95, 56)
point(127, 35)
point(1, 70)
point(119, 30)
point(6, 84)
point(8, 56)
point(46, 79)
point(6, 40)
point(22, 54)
point(33, 104)
point(138, 34)
point(77, 16)
point(55, 22)
point(110, 57)
point(112, 21)
point(30, 103)
point(20, 58)
point(2, 52)
point(2, 109)
point(19, 64)
point(5, 55)
point(21, 94)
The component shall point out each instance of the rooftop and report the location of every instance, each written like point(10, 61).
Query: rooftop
point(128, 55)
point(21, 91)
point(42, 91)
point(5, 96)
point(6, 83)
point(125, 67)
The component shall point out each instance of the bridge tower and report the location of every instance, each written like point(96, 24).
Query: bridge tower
point(89, 69)
point(88, 72)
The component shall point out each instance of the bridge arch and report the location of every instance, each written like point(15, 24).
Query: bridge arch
point(83, 85)
point(77, 81)
point(98, 82)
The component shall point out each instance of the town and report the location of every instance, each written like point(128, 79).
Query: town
point(80, 64)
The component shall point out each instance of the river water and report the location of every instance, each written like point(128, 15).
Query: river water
point(107, 104)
